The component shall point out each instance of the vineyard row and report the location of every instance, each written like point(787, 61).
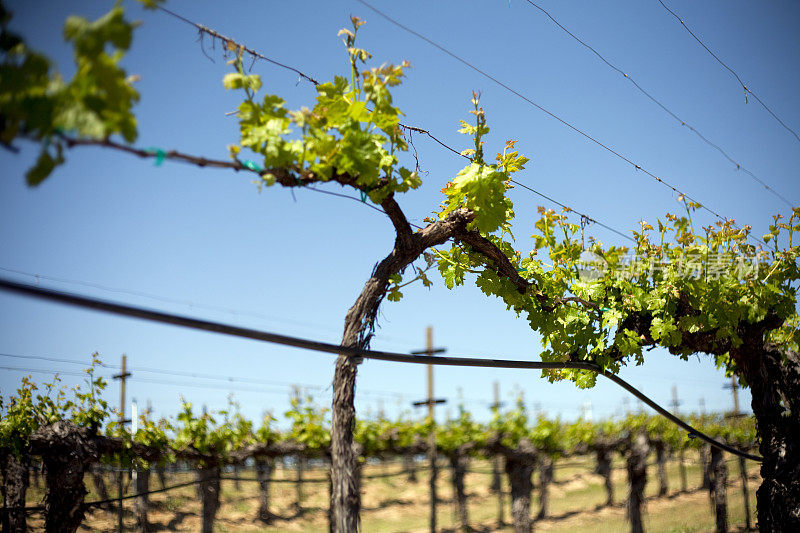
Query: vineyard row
point(70, 433)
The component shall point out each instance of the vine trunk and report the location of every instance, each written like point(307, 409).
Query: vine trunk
point(774, 379)
point(638, 450)
point(459, 461)
point(264, 468)
point(718, 492)
point(141, 504)
point(208, 476)
point(15, 486)
point(545, 478)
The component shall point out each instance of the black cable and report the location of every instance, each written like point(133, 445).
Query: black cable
point(662, 105)
point(247, 333)
point(547, 112)
point(729, 69)
point(21, 369)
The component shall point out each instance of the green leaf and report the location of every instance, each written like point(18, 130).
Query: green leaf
point(236, 80)
point(394, 295)
point(665, 331)
point(91, 38)
point(45, 164)
point(480, 188)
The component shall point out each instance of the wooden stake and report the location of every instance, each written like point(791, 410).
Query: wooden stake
point(431, 401)
point(432, 436)
point(734, 386)
point(497, 481)
point(122, 377)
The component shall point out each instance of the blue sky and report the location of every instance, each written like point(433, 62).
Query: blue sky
point(208, 244)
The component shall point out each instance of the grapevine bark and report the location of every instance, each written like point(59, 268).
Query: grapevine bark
point(99, 482)
point(264, 468)
point(459, 461)
point(545, 478)
point(603, 449)
point(774, 379)
point(15, 485)
point(519, 468)
point(718, 491)
point(141, 504)
point(520, 463)
point(358, 329)
point(661, 460)
point(773, 374)
point(208, 475)
point(637, 479)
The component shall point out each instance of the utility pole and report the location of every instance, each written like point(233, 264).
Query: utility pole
point(497, 480)
point(300, 458)
point(431, 403)
point(586, 410)
point(675, 401)
point(122, 377)
point(704, 450)
point(734, 386)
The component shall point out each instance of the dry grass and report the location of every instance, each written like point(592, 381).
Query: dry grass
point(394, 504)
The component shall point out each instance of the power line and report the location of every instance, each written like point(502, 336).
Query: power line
point(546, 111)
point(170, 383)
point(41, 371)
point(662, 105)
point(52, 359)
point(173, 383)
point(216, 377)
point(254, 53)
point(297, 342)
point(321, 392)
point(729, 69)
point(162, 382)
point(214, 386)
point(164, 371)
